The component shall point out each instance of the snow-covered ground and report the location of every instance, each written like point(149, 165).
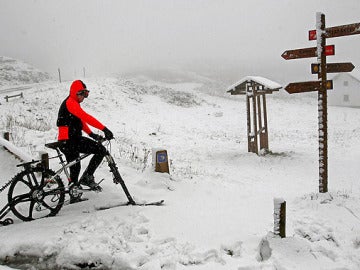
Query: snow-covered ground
point(218, 211)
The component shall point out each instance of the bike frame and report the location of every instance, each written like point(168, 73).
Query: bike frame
point(65, 166)
point(110, 160)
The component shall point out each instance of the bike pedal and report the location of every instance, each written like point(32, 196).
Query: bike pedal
point(97, 189)
point(77, 199)
point(75, 191)
point(6, 222)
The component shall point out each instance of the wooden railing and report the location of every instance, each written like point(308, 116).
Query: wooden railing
point(17, 95)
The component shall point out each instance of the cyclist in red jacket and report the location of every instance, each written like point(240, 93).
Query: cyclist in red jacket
point(72, 120)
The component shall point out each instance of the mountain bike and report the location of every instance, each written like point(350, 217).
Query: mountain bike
point(38, 191)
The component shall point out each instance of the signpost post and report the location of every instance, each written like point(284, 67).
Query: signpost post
point(321, 68)
point(322, 104)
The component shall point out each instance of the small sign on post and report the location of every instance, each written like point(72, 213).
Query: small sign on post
point(160, 160)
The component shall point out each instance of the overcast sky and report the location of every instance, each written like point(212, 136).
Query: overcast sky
point(240, 36)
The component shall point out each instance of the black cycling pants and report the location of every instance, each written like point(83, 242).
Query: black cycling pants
point(72, 150)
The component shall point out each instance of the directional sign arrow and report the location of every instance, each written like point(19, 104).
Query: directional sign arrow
point(333, 67)
point(338, 31)
point(307, 52)
point(300, 87)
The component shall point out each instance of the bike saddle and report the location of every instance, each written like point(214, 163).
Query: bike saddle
point(54, 145)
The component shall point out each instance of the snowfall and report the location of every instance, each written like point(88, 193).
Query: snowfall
point(219, 198)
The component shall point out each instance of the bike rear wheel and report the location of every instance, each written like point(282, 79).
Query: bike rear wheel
point(34, 193)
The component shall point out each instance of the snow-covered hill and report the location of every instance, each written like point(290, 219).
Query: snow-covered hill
point(15, 72)
point(218, 211)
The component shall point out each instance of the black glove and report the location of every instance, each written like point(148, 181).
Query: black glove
point(96, 137)
point(108, 134)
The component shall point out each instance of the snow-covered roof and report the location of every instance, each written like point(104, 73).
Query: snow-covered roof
point(268, 84)
point(355, 74)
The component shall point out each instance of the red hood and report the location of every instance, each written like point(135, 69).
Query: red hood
point(75, 87)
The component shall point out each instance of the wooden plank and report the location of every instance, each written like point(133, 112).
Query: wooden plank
point(301, 87)
point(338, 31)
point(307, 52)
point(333, 67)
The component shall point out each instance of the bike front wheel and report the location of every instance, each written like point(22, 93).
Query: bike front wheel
point(35, 193)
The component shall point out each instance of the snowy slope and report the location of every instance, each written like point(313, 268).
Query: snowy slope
point(15, 72)
point(218, 211)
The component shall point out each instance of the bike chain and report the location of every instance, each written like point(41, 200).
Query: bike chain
point(6, 185)
point(6, 221)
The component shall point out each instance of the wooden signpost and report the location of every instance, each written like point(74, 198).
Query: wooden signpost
point(301, 87)
point(321, 68)
point(333, 68)
point(338, 31)
point(306, 52)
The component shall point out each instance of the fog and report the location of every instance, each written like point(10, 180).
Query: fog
point(228, 39)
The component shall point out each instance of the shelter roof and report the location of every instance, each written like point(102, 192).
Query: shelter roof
point(240, 86)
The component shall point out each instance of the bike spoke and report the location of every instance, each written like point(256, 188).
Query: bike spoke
point(26, 183)
point(31, 209)
point(54, 191)
point(22, 198)
point(47, 206)
point(29, 183)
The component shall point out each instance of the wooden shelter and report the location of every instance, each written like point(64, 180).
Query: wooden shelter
point(255, 88)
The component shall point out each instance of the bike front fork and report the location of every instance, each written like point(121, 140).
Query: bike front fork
point(117, 177)
point(114, 169)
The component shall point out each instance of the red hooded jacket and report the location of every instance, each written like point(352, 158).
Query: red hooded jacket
point(72, 119)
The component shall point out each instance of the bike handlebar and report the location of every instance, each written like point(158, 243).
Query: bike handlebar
point(103, 139)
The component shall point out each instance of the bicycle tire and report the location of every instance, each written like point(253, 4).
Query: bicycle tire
point(33, 194)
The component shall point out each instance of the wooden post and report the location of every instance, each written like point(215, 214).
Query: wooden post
point(251, 126)
point(259, 113)
point(248, 121)
point(44, 159)
point(248, 118)
point(255, 129)
point(59, 75)
point(265, 136)
point(7, 136)
point(322, 105)
point(280, 217)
